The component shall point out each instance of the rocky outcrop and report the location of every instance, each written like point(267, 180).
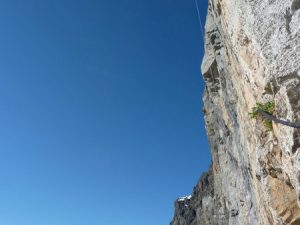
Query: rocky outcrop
point(252, 54)
point(201, 205)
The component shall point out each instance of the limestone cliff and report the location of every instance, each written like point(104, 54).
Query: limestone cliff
point(252, 54)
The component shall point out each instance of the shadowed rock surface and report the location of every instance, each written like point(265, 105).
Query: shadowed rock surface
point(252, 54)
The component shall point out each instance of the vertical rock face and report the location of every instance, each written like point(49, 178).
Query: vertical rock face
point(252, 54)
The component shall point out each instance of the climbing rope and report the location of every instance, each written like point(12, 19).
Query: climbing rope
point(276, 120)
point(202, 31)
point(199, 20)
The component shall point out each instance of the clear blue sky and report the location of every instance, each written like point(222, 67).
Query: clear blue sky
point(100, 115)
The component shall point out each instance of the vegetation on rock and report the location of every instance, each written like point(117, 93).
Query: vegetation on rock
point(267, 107)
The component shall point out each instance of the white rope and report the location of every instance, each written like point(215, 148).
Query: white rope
point(202, 30)
point(199, 19)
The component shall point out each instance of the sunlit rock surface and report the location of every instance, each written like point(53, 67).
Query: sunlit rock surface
point(252, 54)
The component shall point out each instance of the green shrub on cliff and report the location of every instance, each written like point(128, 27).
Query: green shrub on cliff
point(267, 107)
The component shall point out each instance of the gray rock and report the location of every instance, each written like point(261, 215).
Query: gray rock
point(252, 54)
